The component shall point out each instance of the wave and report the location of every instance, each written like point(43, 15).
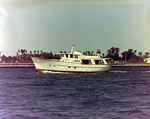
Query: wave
point(51, 72)
point(118, 71)
point(145, 71)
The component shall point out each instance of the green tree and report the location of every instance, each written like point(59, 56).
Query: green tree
point(9, 59)
point(113, 53)
point(4, 58)
point(126, 55)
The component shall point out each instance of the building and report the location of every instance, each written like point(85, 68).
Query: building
point(147, 60)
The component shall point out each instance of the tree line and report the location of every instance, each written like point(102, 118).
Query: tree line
point(22, 56)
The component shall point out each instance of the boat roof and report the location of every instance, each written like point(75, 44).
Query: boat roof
point(76, 52)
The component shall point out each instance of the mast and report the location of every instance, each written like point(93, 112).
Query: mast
point(72, 48)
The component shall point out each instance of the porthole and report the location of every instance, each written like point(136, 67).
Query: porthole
point(74, 67)
point(69, 67)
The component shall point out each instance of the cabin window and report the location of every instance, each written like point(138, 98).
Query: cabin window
point(71, 55)
point(98, 62)
point(86, 62)
point(66, 55)
point(76, 56)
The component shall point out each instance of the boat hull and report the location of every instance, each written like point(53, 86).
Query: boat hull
point(47, 65)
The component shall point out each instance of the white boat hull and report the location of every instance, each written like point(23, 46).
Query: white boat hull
point(44, 65)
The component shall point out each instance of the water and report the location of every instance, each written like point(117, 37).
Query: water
point(122, 93)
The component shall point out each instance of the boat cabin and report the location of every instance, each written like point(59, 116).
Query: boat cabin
point(79, 58)
point(76, 54)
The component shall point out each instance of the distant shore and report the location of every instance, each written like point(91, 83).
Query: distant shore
point(130, 64)
point(31, 65)
point(17, 65)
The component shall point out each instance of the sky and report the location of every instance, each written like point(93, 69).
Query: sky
point(54, 25)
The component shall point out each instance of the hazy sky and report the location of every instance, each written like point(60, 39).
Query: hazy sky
point(53, 25)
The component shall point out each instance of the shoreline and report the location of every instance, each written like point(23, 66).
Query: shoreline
point(31, 65)
point(130, 64)
point(17, 65)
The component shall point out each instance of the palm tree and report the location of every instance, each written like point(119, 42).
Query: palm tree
point(103, 54)
point(31, 52)
point(135, 52)
point(146, 53)
point(22, 51)
point(89, 53)
point(38, 51)
point(34, 51)
point(50, 55)
point(18, 51)
point(108, 53)
point(140, 53)
point(112, 50)
point(98, 51)
point(25, 50)
point(116, 50)
point(92, 52)
point(86, 52)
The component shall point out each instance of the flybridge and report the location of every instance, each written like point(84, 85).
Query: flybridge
point(77, 56)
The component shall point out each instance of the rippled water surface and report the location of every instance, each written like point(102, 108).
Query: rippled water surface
point(122, 93)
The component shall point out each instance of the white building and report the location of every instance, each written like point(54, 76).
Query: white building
point(147, 60)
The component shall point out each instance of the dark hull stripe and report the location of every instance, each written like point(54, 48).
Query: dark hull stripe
point(85, 67)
